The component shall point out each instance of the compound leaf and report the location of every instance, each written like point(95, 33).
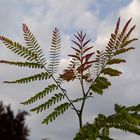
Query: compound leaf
point(116, 61)
point(22, 64)
point(41, 94)
point(40, 76)
point(111, 72)
point(19, 49)
point(57, 112)
point(53, 100)
point(54, 51)
point(33, 45)
point(100, 84)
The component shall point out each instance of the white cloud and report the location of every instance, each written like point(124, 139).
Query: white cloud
point(132, 11)
point(66, 15)
point(88, 21)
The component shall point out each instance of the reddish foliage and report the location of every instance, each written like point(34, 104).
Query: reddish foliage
point(68, 75)
point(81, 59)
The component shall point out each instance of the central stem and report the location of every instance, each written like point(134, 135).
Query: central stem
point(80, 120)
point(80, 114)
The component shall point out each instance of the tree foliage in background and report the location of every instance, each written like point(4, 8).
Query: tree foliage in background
point(125, 118)
point(90, 68)
point(12, 127)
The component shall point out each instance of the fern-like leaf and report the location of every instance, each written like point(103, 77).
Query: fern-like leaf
point(33, 45)
point(119, 39)
point(54, 52)
point(105, 132)
point(115, 61)
point(124, 118)
point(111, 72)
point(40, 76)
point(54, 99)
point(19, 49)
point(123, 50)
point(134, 108)
point(57, 112)
point(41, 94)
point(117, 44)
point(100, 84)
point(127, 42)
point(128, 128)
point(99, 64)
point(22, 64)
point(82, 59)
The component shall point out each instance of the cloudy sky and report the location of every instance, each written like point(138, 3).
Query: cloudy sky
point(97, 18)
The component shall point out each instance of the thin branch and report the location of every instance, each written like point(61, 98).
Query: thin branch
point(64, 92)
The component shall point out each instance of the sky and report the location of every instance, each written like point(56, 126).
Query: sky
point(95, 17)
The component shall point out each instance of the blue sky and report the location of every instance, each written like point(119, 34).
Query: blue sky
point(97, 18)
point(107, 6)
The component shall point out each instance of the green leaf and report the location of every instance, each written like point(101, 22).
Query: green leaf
point(123, 50)
point(128, 42)
point(103, 82)
point(128, 128)
point(40, 76)
point(22, 64)
point(134, 108)
point(100, 62)
point(54, 52)
point(54, 99)
point(80, 99)
point(115, 61)
point(41, 94)
point(57, 112)
point(111, 72)
point(124, 118)
point(100, 84)
point(19, 49)
point(118, 108)
point(33, 45)
point(105, 132)
point(96, 89)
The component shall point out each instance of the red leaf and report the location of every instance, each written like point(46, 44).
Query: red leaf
point(2, 38)
point(80, 69)
point(113, 36)
point(127, 35)
point(83, 37)
point(68, 75)
point(89, 62)
point(117, 26)
point(126, 25)
point(3, 61)
point(77, 44)
point(86, 42)
point(80, 34)
point(85, 50)
point(76, 49)
point(87, 57)
point(78, 38)
point(75, 56)
point(87, 67)
point(25, 28)
point(56, 29)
